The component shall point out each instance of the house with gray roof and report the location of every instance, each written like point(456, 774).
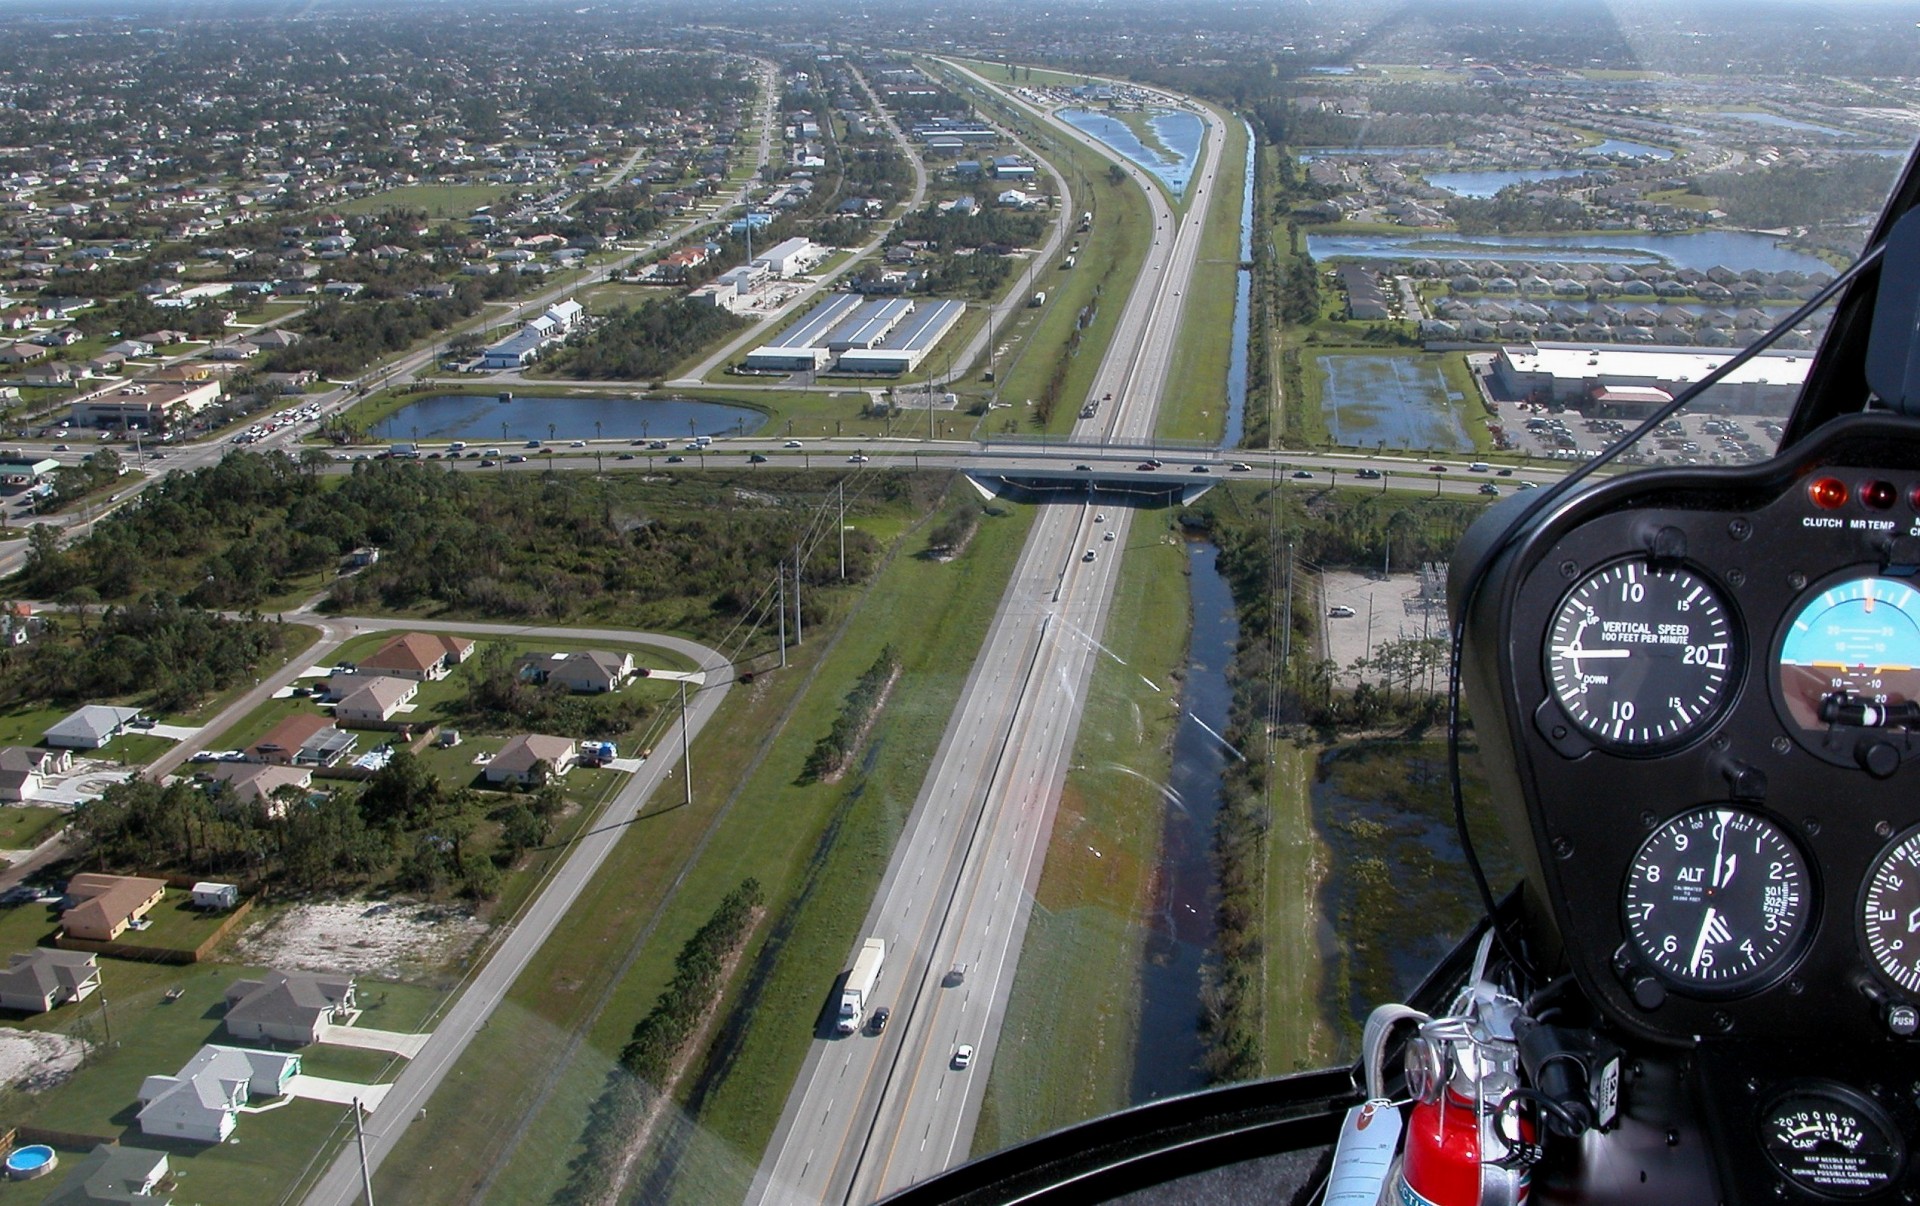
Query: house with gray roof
point(517, 760)
point(113, 1173)
point(288, 1007)
point(202, 1101)
point(592, 671)
point(43, 978)
point(24, 768)
point(89, 728)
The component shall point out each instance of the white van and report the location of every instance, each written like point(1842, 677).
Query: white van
point(1479, 467)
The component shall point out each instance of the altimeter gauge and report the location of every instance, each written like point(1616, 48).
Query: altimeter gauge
point(1640, 658)
point(1718, 901)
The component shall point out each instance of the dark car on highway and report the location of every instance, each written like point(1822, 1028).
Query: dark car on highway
point(880, 1018)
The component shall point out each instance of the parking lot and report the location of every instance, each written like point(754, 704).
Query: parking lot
point(1557, 434)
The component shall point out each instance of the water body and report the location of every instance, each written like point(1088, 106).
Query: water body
point(1735, 249)
point(1179, 131)
point(1785, 123)
point(1347, 152)
point(478, 418)
point(1391, 402)
point(1486, 184)
point(1242, 313)
point(1636, 150)
point(1182, 930)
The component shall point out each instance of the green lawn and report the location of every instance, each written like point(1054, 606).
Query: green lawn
point(1084, 940)
point(818, 850)
point(438, 200)
point(153, 1035)
point(24, 826)
point(1194, 403)
point(1297, 1035)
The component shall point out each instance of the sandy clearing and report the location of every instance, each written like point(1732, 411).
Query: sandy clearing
point(32, 1060)
point(386, 939)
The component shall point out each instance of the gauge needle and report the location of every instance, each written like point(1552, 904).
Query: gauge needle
point(1576, 653)
point(1719, 849)
point(1712, 929)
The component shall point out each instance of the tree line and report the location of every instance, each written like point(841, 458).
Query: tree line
point(659, 1039)
point(832, 752)
point(644, 342)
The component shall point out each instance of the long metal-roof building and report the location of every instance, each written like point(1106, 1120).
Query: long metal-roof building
point(908, 344)
point(891, 335)
point(804, 345)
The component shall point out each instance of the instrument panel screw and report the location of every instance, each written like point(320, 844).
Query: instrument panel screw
point(1812, 826)
point(1781, 745)
point(1673, 1137)
point(1753, 1084)
point(1720, 741)
point(1883, 829)
point(1648, 819)
point(1736, 577)
point(1722, 1020)
point(1568, 569)
point(1562, 848)
point(1740, 529)
point(1559, 732)
point(1796, 987)
point(1797, 580)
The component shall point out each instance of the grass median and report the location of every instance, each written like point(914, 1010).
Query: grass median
point(1087, 936)
point(1193, 404)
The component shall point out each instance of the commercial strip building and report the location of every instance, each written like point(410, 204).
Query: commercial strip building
point(890, 335)
point(737, 288)
point(1575, 374)
point(560, 320)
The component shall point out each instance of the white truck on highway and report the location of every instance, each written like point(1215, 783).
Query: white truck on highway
point(858, 994)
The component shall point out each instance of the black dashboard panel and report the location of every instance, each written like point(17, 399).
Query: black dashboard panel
point(1698, 690)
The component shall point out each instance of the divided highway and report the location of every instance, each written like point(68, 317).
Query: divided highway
point(870, 1114)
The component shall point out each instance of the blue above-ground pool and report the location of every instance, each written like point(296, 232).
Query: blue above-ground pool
point(33, 1160)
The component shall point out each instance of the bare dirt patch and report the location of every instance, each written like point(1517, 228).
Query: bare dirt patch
point(391, 940)
point(36, 1061)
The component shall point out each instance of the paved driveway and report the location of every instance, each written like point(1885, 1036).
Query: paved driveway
point(339, 1092)
point(368, 1039)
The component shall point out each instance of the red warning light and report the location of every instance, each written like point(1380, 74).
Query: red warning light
point(1878, 496)
point(1827, 493)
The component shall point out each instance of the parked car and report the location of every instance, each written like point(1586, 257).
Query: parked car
point(1340, 612)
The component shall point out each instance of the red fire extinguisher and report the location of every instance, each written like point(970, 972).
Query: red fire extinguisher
point(1464, 1146)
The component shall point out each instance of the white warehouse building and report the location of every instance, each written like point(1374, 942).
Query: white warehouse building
point(1573, 373)
point(791, 257)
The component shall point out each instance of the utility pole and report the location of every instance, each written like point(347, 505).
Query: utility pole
point(686, 747)
point(780, 576)
point(798, 636)
point(840, 488)
point(360, 1138)
point(1286, 631)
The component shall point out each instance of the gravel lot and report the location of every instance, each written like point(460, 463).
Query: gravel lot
point(387, 939)
point(1384, 609)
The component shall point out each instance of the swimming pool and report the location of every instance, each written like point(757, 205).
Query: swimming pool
point(33, 1160)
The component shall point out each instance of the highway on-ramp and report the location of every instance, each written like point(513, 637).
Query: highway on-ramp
point(870, 1114)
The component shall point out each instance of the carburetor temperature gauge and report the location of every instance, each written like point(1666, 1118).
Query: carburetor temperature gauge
point(1827, 1139)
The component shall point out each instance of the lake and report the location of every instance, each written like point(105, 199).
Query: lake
point(476, 418)
point(1486, 184)
point(1178, 131)
point(1735, 249)
point(1785, 123)
point(1637, 150)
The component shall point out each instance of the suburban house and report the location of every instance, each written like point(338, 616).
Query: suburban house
point(589, 672)
point(255, 782)
point(24, 768)
point(113, 1173)
point(417, 655)
point(105, 905)
point(89, 728)
point(288, 1007)
point(516, 760)
point(375, 701)
point(42, 978)
point(304, 738)
point(208, 894)
point(202, 1101)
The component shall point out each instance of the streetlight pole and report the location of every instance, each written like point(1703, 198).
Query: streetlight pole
point(686, 746)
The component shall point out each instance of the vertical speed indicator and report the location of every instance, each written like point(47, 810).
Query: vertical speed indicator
point(1641, 659)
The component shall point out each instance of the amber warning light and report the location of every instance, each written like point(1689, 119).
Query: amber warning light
point(1827, 493)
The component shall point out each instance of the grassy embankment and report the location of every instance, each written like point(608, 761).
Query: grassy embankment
point(1193, 405)
point(1086, 935)
point(818, 849)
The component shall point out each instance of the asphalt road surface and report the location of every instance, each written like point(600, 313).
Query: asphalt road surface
point(869, 1115)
